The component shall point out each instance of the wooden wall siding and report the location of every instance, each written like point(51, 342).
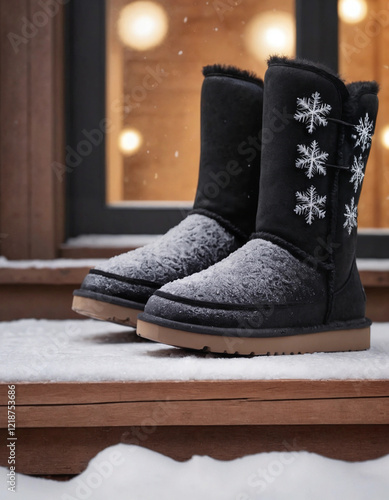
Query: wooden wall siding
point(31, 217)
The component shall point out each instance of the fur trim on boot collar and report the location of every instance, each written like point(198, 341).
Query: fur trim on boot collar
point(351, 93)
point(232, 71)
point(318, 68)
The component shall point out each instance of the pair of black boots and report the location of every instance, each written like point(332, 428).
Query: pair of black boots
point(265, 262)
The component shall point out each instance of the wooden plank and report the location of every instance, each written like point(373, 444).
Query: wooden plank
point(69, 252)
point(14, 132)
point(374, 278)
point(44, 276)
point(77, 393)
point(377, 305)
point(31, 206)
point(42, 130)
point(233, 412)
point(37, 301)
point(68, 450)
point(59, 136)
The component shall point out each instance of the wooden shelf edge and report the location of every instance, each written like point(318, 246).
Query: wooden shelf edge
point(212, 412)
point(73, 393)
point(43, 276)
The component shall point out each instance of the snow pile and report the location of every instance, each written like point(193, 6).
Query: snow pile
point(111, 240)
point(87, 350)
point(373, 264)
point(124, 472)
point(49, 264)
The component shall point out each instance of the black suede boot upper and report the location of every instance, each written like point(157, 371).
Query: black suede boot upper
point(320, 158)
point(298, 273)
point(231, 107)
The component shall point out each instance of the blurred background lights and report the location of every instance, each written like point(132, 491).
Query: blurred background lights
point(385, 137)
point(130, 141)
point(142, 25)
point(270, 33)
point(352, 11)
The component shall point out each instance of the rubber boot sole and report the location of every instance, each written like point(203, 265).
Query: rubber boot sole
point(357, 339)
point(105, 311)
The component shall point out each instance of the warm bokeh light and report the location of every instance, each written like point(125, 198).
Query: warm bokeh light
point(142, 25)
point(352, 11)
point(271, 33)
point(385, 137)
point(130, 141)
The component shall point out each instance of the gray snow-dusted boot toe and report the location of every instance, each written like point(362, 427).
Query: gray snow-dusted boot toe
point(224, 210)
point(118, 290)
point(294, 287)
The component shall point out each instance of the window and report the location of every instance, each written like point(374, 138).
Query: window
point(134, 95)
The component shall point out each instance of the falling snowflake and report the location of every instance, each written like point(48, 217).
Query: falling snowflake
point(312, 112)
point(357, 170)
point(351, 215)
point(365, 132)
point(312, 159)
point(310, 204)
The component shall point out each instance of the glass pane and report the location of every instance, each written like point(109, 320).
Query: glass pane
point(363, 55)
point(155, 53)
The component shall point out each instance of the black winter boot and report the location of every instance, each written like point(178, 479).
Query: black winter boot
point(294, 287)
point(224, 210)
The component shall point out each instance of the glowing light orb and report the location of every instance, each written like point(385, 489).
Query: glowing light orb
point(130, 141)
point(142, 25)
point(385, 137)
point(270, 33)
point(352, 11)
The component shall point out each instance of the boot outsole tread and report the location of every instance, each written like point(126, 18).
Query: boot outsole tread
point(105, 311)
point(355, 339)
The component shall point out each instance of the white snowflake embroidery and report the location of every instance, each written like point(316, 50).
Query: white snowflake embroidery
point(312, 159)
point(312, 112)
point(310, 204)
point(357, 170)
point(351, 215)
point(365, 133)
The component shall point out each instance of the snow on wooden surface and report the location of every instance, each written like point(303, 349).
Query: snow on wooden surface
point(87, 350)
point(49, 264)
point(373, 264)
point(363, 264)
point(111, 240)
point(123, 472)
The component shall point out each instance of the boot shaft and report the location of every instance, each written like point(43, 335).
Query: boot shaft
point(231, 112)
point(313, 166)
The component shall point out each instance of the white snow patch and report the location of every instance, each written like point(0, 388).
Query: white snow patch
point(111, 240)
point(129, 241)
point(180, 52)
point(125, 471)
point(373, 264)
point(49, 264)
point(87, 350)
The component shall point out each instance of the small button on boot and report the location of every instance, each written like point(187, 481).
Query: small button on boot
point(294, 287)
point(224, 211)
